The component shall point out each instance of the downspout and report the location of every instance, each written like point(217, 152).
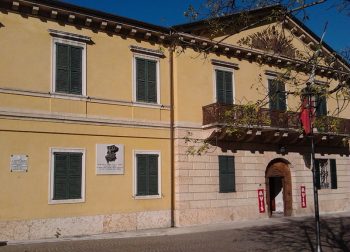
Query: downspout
point(172, 134)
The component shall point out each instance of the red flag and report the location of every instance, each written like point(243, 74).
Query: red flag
point(306, 115)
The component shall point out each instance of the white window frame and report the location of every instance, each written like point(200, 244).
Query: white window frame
point(271, 77)
point(226, 69)
point(83, 79)
point(149, 152)
point(51, 176)
point(134, 97)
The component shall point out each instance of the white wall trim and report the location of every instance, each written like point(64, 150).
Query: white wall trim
point(79, 118)
point(51, 201)
point(91, 99)
point(53, 63)
point(134, 189)
point(226, 69)
point(144, 56)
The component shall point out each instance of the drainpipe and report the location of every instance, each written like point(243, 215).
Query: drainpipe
point(172, 134)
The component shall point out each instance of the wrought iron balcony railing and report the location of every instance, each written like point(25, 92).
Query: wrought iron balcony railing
point(247, 116)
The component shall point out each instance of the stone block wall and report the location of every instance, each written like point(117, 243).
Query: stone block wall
point(197, 196)
point(82, 225)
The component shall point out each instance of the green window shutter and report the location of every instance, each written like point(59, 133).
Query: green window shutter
point(318, 175)
point(67, 175)
point(141, 80)
point(142, 174)
point(76, 70)
point(146, 80)
point(61, 166)
point(272, 95)
point(151, 81)
point(62, 68)
point(75, 175)
point(153, 174)
point(147, 174)
point(224, 89)
point(226, 174)
point(277, 97)
point(282, 105)
point(321, 106)
point(228, 87)
point(69, 69)
point(333, 166)
point(220, 89)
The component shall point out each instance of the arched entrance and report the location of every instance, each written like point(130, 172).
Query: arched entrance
point(279, 188)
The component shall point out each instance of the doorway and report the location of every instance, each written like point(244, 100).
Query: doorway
point(279, 188)
point(276, 196)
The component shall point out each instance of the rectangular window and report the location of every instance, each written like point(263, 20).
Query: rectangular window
point(146, 80)
point(321, 105)
point(277, 96)
point(147, 174)
point(326, 174)
point(227, 174)
point(69, 66)
point(67, 176)
point(224, 88)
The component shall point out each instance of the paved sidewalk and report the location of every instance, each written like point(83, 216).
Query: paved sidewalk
point(184, 230)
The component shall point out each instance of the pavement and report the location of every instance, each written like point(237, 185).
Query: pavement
point(246, 224)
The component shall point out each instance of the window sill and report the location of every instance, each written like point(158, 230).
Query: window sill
point(147, 105)
point(69, 96)
point(147, 197)
point(66, 201)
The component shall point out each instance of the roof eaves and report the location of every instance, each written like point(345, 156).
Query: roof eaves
point(97, 13)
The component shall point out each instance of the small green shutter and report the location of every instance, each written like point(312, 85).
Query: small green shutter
point(151, 81)
point(142, 174)
point(75, 175)
point(272, 95)
point(282, 106)
point(67, 175)
point(147, 174)
point(226, 174)
point(318, 175)
point(228, 87)
point(153, 174)
point(76, 70)
point(140, 80)
point(220, 90)
point(333, 166)
point(61, 166)
point(62, 68)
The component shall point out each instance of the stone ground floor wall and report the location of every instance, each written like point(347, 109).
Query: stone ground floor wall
point(82, 225)
point(197, 196)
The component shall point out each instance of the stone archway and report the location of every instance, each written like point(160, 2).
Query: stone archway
point(278, 178)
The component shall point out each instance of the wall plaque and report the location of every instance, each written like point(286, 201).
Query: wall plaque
point(19, 163)
point(109, 159)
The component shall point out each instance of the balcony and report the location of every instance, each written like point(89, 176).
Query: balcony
point(222, 114)
point(274, 128)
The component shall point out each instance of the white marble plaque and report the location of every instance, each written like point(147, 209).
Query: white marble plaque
point(109, 159)
point(19, 163)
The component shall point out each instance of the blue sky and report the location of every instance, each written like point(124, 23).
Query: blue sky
point(167, 13)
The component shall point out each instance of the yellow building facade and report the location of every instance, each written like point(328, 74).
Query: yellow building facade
point(95, 111)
